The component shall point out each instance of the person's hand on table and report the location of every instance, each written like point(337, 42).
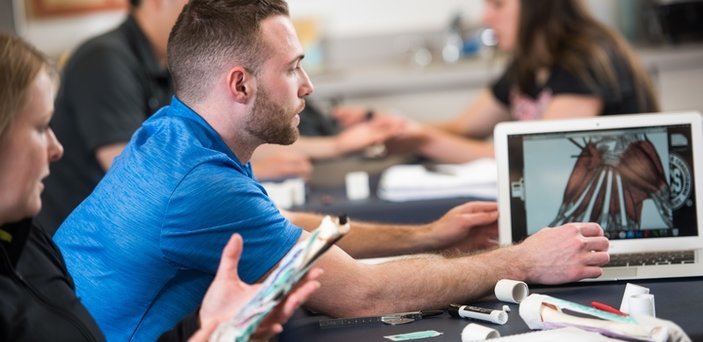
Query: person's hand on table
point(365, 134)
point(275, 162)
point(562, 254)
point(348, 116)
point(468, 227)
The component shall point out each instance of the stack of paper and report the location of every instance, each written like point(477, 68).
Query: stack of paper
point(401, 183)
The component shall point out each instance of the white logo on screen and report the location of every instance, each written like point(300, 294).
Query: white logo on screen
point(679, 182)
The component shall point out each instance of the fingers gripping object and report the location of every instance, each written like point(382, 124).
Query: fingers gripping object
point(611, 178)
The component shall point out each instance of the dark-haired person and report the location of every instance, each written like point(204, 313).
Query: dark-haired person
point(564, 64)
point(36, 291)
point(109, 86)
point(148, 235)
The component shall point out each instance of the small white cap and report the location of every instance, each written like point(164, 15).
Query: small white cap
point(631, 290)
point(477, 332)
point(642, 304)
point(511, 291)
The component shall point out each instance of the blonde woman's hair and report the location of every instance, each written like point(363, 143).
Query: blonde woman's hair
point(20, 63)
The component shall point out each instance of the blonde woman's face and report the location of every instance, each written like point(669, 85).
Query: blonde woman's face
point(503, 16)
point(26, 149)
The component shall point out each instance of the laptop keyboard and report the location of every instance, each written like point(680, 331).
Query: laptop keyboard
point(652, 258)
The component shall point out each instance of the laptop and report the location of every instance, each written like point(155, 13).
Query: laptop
point(638, 176)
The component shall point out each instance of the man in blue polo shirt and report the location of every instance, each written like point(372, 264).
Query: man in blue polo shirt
point(168, 221)
point(143, 246)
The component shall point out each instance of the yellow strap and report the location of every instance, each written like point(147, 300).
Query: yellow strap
point(5, 236)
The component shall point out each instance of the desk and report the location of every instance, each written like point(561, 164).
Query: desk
point(326, 194)
point(331, 200)
point(677, 300)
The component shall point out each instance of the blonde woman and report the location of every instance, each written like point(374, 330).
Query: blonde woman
point(36, 291)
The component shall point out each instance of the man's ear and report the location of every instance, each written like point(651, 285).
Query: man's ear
point(241, 84)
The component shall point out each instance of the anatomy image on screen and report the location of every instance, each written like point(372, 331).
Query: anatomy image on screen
point(612, 176)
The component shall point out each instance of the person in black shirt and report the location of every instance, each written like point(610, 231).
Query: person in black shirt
point(36, 290)
point(109, 86)
point(564, 64)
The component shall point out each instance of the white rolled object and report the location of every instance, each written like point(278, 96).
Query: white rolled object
point(631, 290)
point(531, 311)
point(511, 291)
point(477, 332)
point(642, 304)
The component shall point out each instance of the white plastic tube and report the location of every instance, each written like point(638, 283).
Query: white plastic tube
point(476, 332)
point(475, 312)
point(511, 291)
point(631, 290)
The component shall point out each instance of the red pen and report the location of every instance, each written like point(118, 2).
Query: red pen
point(607, 308)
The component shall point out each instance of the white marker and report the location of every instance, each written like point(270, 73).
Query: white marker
point(475, 312)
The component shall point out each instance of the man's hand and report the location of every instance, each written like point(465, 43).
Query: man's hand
point(361, 136)
point(275, 162)
point(228, 294)
point(273, 323)
point(467, 227)
point(568, 253)
point(348, 116)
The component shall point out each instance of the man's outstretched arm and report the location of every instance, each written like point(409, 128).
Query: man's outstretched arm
point(551, 256)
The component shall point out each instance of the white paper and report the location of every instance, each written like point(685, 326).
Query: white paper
point(570, 334)
point(401, 183)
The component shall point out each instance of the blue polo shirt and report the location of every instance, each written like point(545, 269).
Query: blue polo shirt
point(146, 244)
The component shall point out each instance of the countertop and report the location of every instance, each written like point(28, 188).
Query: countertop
point(472, 72)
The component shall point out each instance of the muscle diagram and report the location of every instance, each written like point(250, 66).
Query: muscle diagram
point(611, 179)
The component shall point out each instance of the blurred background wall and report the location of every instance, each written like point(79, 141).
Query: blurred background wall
point(388, 53)
point(336, 19)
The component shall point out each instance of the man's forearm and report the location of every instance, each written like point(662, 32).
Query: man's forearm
point(372, 240)
point(551, 256)
point(448, 148)
point(317, 147)
point(425, 282)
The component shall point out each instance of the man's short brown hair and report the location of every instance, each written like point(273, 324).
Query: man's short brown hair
point(211, 35)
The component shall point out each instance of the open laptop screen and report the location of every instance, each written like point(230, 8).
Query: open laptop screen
point(636, 182)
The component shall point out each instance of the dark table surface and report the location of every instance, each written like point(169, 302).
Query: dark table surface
point(678, 300)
